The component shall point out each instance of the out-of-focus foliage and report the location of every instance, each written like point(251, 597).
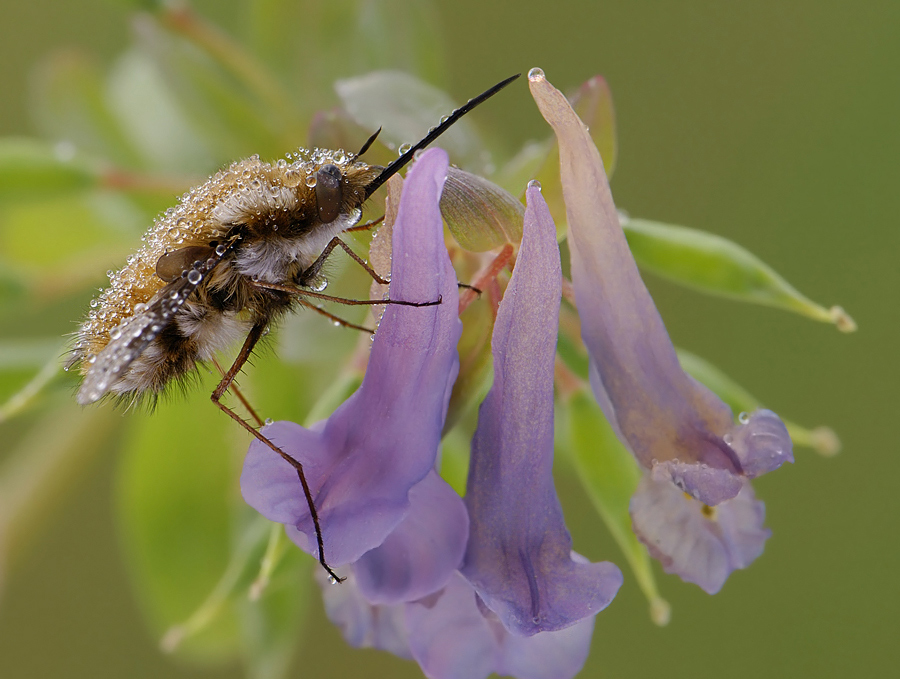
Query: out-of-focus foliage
point(118, 144)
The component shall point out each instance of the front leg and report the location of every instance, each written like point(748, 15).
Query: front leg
point(307, 276)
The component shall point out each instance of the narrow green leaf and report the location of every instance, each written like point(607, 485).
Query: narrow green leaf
point(822, 439)
point(718, 266)
point(610, 476)
point(175, 485)
point(273, 619)
point(32, 169)
point(480, 215)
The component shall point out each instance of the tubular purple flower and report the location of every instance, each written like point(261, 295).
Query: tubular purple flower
point(362, 462)
point(663, 416)
point(519, 558)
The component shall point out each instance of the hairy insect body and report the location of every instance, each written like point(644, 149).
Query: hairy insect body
point(194, 287)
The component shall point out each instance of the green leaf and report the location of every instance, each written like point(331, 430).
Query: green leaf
point(480, 215)
point(406, 108)
point(272, 622)
point(71, 104)
point(175, 487)
point(822, 439)
point(297, 41)
point(610, 476)
point(153, 118)
point(715, 265)
point(32, 169)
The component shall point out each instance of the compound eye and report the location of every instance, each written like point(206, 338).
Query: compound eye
point(328, 192)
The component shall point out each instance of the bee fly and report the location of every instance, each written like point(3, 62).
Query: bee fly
point(234, 256)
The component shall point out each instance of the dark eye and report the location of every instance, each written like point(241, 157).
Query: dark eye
point(328, 192)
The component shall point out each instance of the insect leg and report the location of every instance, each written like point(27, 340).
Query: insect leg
point(256, 332)
point(365, 227)
point(336, 319)
point(340, 300)
point(316, 266)
point(233, 388)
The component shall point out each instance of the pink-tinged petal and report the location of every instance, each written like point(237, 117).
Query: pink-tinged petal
point(362, 462)
point(519, 555)
point(364, 625)
point(699, 543)
point(660, 413)
point(454, 636)
point(422, 552)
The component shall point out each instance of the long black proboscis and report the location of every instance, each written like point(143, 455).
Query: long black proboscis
point(436, 132)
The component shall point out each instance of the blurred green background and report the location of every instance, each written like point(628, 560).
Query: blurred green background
point(773, 124)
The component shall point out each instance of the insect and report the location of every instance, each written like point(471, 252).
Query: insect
point(236, 254)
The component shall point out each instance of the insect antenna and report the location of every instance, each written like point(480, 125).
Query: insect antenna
point(369, 142)
point(436, 132)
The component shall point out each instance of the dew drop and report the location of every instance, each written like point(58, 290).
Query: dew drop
point(744, 418)
point(194, 277)
point(404, 148)
point(220, 250)
point(320, 285)
point(333, 580)
point(534, 184)
point(269, 421)
point(535, 75)
point(728, 438)
point(311, 180)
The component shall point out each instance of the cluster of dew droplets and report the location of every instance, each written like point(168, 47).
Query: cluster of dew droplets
point(132, 286)
point(250, 182)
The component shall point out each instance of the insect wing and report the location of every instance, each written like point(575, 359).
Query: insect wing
point(129, 339)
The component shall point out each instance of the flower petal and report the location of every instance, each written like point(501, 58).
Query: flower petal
point(422, 552)
point(701, 544)
point(660, 413)
point(453, 636)
point(519, 555)
point(364, 625)
point(363, 460)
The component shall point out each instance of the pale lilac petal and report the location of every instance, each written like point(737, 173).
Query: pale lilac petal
point(453, 636)
point(699, 543)
point(362, 462)
point(422, 552)
point(364, 625)
point(660, 413)
point(762, 444)
point(519, 555)
point(448, 635)
point(548, 655)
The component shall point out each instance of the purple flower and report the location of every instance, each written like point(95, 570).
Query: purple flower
point(519, 557)
point(700, 543)
point(453, 635)
point(673, 425)
point(658, 411)
point(523, 603)
point(363, 461)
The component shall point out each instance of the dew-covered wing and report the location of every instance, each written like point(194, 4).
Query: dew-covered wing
point(129, 339)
